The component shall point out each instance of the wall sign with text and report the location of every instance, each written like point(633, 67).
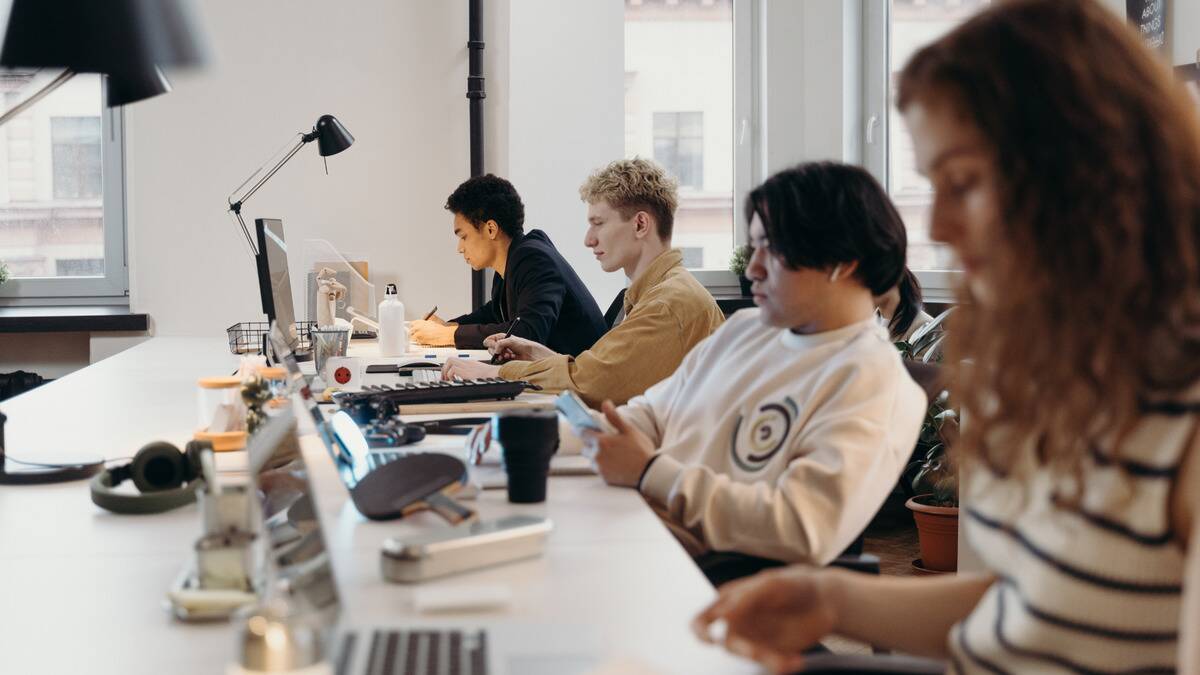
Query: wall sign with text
point(1150, 18)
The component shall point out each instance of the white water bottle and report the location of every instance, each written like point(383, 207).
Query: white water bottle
point(393, 336)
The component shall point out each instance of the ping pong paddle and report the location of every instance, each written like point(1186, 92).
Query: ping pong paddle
point(413, 483)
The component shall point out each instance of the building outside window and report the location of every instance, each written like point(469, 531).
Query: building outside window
point(75, 157)
point(679, 69)
point(679, 146)
point(60, 185)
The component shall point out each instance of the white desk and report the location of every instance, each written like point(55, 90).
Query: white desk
point(81, 589)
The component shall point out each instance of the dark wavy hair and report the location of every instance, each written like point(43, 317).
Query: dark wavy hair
point(819, 214)
point(909, 306)
point(489, 197)
point(1097, 156)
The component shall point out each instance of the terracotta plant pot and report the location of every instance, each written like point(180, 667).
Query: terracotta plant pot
point(937, 531)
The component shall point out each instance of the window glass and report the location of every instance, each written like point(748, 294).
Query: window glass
point(51, 186)
point(914, 24)
point(679, 112)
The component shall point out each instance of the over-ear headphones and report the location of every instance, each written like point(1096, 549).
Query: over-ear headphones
point(165, 478)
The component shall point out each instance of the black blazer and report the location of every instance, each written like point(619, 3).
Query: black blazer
point(539, 286)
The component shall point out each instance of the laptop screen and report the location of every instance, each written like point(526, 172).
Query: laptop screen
point(298, 562)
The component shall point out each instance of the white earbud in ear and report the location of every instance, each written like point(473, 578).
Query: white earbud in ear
point(837, 271)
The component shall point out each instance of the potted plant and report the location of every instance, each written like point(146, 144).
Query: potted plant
point(935, 489)
point(3, 273)
point(737, 264)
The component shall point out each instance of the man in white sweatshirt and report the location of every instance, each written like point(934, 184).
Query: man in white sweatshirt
point(781, 434)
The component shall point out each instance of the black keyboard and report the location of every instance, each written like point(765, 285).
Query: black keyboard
point(454, 391)
point(417, 652)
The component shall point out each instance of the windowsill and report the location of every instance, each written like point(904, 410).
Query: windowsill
point(71, 318)
point(732, 302)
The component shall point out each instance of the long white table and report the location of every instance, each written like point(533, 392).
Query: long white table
point(81, 590)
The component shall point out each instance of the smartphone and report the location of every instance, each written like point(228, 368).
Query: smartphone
point(576, 412)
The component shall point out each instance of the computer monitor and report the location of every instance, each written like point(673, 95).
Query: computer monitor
point(274, 282)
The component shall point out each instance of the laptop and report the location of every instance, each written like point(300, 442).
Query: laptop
point(300, 564)
point(379, 491)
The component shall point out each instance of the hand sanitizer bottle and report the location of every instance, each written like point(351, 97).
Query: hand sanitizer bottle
point(393, 336)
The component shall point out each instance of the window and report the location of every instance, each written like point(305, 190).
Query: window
point(679, 110)
point(915, 23)
point(76, 157)
point(679, 146)
point(894, 31)
point(693, 256)
point(62, 229)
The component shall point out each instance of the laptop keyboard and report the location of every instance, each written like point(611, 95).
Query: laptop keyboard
point(417, 652)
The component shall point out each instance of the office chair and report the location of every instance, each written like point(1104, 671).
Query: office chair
point(614, 310)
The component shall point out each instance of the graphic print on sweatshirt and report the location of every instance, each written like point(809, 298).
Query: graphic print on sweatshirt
point(760, 437)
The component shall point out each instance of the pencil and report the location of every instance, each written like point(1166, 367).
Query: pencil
point(431, 313)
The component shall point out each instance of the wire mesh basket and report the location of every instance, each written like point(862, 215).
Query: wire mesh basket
point(250, 337)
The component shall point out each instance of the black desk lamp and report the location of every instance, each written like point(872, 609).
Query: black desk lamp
point(331, 138)
point(126, 41)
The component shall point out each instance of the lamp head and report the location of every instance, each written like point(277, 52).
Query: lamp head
point(332, 137)
point(132, 88)
point(80, 35)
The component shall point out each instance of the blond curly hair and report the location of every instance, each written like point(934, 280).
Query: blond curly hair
point(632, 185)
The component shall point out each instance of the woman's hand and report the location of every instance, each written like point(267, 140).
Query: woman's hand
point(774, 616)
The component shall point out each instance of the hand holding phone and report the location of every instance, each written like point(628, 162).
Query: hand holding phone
point(576, 413)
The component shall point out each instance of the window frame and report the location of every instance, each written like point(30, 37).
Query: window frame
point(936, 285)
point(746, 134)
point(113, 287)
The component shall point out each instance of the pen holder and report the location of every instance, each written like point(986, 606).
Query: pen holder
point(328, 342)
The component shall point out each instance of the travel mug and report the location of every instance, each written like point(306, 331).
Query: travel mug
point(528, 438)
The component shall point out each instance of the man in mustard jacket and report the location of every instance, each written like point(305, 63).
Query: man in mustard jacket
point(665, 311)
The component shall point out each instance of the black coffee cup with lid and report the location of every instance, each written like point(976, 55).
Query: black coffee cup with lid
point(528, 439)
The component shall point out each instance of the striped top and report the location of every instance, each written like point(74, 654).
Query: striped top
point(1090, 585)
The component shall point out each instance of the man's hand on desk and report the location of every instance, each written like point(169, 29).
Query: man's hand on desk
point(621, 457)
point(513, 348)
point(432, 332)
point(467, 369)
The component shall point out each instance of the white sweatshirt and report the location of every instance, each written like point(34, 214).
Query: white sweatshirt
point(777, 444)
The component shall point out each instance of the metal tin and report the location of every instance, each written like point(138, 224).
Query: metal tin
point(458, 549)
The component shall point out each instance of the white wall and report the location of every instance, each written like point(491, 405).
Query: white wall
point(1185, 30)
point(393, 72)
point(565, 118)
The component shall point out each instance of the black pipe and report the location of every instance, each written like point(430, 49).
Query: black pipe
point(476, 94)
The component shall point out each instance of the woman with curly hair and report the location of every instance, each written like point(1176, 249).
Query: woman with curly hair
point(1066, 165)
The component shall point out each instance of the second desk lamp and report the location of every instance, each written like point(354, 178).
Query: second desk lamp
point(331, 138)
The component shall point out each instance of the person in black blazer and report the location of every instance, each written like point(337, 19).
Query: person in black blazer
point(532, 279)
